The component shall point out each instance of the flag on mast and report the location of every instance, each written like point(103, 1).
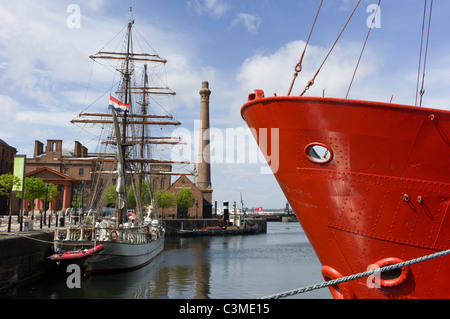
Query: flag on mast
point(116, 105)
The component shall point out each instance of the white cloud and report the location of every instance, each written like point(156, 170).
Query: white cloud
point(250, 21)
point(10, 107)
point(186, 80)
point(215, 8)
point(274, 72)
point(38, 50)
point(95, 5)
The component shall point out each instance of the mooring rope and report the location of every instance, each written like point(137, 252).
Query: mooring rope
point(356, 276)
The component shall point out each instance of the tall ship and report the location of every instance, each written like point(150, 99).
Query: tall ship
point(127, 235)
point(369, 183)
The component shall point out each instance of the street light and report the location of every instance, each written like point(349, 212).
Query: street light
point(45, 203)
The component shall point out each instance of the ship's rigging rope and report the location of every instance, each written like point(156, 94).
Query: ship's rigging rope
point(421, 83)
point(311, 82)
point(357, 276)
point(298, 67)
point(362, 50)
point(422, 91)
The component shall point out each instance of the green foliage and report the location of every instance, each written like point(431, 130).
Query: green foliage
point(7, 183)
point(185, 199)
point(51, 192)
point(146, 197)
point(111, 195)
point(33, 188)
point(131, 199)
point(78, 198)
point(165, 199)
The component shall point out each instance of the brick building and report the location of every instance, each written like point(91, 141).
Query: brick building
point(70, 170)
point(160, 181)
point(73, 171)
point(7, 154)
point(194, 212)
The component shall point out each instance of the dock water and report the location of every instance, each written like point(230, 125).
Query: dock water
point(212, 267)
point(23, 255)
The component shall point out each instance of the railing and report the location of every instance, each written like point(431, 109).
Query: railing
point(132, 235)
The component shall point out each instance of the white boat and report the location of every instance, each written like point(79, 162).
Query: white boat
point(126, 240)
point(106, 248)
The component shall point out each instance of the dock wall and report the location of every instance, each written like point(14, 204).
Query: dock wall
point(23, 258)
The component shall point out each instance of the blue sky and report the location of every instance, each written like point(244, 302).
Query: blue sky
point(237, 46)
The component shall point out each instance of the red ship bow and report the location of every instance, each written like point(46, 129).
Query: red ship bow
point(370, 185)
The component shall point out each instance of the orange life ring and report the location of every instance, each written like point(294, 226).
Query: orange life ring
point(113, 235)
point(399, 278)
point(339, 291)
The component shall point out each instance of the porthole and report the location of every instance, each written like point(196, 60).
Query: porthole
point(319, 153)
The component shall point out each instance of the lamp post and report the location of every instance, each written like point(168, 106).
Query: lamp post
point(76, 205)
point(40, 224)
point(49, 214)
point(45, 203)
point(196, 208)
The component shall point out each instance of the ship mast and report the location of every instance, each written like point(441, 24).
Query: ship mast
point(139, 187)
point(126, 76)
point(134, 127)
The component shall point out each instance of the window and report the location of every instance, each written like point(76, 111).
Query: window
point(81, 171)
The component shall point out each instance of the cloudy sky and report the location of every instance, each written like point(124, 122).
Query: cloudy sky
point(47, 77)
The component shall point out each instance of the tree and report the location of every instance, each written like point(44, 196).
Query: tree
point(7, 183)
point(79, 200)
point(164, 199)
point(185, 200)
point(131, 199)
point(34, 188)
point(145, 195)
point(52, 193)
point(111, 195)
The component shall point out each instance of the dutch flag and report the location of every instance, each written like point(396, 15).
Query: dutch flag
point(116, 105)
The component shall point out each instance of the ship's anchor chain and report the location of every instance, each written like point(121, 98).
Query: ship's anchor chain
point(356, 276)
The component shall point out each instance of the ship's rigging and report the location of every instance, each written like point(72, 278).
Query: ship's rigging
point(423, 53)
point(141, 88)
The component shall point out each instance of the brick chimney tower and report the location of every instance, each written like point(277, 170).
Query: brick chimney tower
point(204, 156)
point(204, 167)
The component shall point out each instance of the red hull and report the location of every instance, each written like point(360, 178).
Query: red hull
point(380, 191)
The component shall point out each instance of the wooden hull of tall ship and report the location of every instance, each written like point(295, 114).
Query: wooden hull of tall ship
point(369, 183)
point(115, 256)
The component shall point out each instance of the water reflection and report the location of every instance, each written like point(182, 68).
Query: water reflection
point(207, 267)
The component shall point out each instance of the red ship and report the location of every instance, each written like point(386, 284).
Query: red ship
point(369, 183)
